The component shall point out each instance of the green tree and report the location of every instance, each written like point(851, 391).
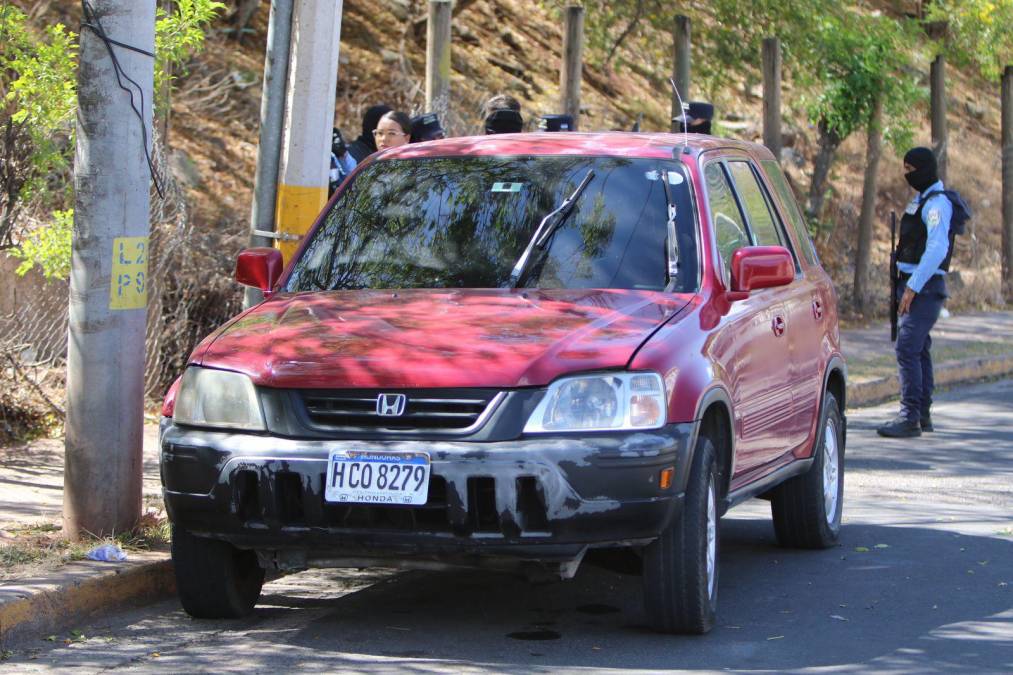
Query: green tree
point(979, 32)
point(852, 61)
point(38, 93)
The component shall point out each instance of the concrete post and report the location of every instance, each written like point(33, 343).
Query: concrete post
point(680, 64)
point(772, 96)
point(108, 284)
point(571, 73)
point(438, 58)
point(309, 118)
point(272, 124)
point(1007, 183)
point(938, 96)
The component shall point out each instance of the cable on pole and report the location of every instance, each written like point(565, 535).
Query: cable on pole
point(93, 23)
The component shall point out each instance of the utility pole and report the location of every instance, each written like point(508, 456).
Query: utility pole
point(108, 278)
point(272, 125)
point(680, 65)
point(438, 58)
point(571, 74)
point(309, 119)
point(772, 96)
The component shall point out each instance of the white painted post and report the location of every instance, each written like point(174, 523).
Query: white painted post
point(309, 118)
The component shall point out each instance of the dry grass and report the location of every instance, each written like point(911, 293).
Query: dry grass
point(30, 550)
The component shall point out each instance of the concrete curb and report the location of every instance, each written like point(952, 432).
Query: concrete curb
point(871, 392)
point(43, 606)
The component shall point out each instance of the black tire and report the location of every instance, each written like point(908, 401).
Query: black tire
point(807, 509)
point(680, 586)
point(214, 579)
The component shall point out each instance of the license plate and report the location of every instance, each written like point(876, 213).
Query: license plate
point(364, 477)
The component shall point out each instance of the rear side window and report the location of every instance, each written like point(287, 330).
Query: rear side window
point(729, 228)
point(791, 209)
point(755, 204)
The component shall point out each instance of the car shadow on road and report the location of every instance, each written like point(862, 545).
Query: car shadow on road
point(892, 597)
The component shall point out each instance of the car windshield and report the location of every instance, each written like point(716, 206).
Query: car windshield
point(464, 222)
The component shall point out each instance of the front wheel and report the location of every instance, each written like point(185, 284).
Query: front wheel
point(214, 579)
point(807, 509)
point(681, 566)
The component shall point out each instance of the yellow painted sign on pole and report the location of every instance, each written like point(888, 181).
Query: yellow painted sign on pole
point(129, 283)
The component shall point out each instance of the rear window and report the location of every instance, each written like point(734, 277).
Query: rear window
point(464, 222)
point(790, 207)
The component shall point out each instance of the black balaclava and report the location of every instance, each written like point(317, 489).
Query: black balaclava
point(924, 162)
point(369, 121)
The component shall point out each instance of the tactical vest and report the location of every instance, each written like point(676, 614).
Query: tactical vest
point(914, 234)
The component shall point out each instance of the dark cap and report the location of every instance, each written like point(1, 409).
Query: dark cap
point(504, 122)
point(555, 123)
point(697, 118)
point(426, 127)
point(922, 158)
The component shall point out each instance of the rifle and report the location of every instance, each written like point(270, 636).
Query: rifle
point(894, 277)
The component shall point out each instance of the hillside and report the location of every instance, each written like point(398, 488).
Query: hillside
point(513, 46)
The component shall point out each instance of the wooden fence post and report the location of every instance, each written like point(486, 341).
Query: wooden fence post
point(438, 58)
point(1007, 183)
point(572, 71)
point(680, 65)
point(772, 96)
point(939, 132)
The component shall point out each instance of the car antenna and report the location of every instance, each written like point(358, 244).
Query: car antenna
point(685, 109)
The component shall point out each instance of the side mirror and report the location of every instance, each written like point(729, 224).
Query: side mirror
point(259, 268)
point(756, 267)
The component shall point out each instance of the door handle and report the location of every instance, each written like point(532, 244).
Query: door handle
point(817, 309)
point(778, 326)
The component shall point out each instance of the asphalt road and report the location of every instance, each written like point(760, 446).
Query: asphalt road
point(921, 582)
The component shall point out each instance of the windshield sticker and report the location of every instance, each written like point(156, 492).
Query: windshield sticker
point(675, 178)
point(507, 187)
point(652, 175)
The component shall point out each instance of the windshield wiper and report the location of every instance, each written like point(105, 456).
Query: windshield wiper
point(550, 223)
point(673, 243)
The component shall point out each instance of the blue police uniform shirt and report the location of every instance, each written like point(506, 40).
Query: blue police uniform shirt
point(936, 216)
point(341, 167)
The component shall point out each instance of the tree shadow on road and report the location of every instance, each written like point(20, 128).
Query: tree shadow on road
point(890, 597)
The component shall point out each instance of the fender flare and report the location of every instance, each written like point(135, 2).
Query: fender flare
point(715, 393)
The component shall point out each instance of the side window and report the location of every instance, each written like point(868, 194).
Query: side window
point(729, 229)
point(761, 222)
point(791, 209)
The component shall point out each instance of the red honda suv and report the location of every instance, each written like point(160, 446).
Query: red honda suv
point(506, 351)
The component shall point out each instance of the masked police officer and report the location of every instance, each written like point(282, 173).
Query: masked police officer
point(923, 258)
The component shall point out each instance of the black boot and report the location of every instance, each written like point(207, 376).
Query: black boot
point(926, 422)
point(900, 427)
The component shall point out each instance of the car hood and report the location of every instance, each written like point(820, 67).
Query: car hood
point(435, 338)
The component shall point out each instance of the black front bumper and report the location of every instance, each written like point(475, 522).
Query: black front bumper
point(543, 499)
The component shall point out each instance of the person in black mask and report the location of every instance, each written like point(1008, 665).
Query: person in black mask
point(923, 258)
point(365, 145)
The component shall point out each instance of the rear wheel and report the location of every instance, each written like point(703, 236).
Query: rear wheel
point(681, 566)
point(214, 579)
point(807, 509)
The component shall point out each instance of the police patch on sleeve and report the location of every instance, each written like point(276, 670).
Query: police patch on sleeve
point(932, 218)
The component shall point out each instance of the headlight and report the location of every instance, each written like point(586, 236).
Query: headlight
point(218, 398)
point(601, 402)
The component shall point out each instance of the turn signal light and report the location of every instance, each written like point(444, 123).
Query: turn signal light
point(665, 480)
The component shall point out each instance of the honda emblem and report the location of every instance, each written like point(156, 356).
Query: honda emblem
point(391, 405)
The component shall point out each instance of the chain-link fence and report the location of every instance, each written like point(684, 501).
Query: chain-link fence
point(190, 292)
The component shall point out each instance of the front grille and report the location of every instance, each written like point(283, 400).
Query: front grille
point(433, 410)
